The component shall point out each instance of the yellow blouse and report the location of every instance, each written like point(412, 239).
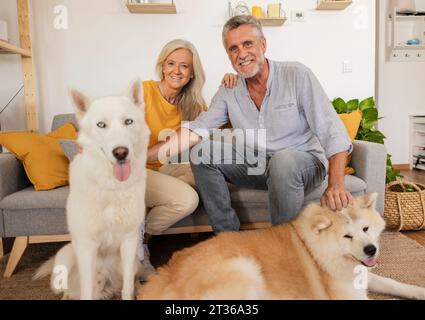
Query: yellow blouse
point(160, 115)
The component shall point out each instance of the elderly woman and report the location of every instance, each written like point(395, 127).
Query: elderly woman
point(177, 97)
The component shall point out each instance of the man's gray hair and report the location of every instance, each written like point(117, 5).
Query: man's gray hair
point(241, 20)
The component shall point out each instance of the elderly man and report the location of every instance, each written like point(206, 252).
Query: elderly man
point(303, 134)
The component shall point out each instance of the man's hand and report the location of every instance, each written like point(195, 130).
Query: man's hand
point(336, 197)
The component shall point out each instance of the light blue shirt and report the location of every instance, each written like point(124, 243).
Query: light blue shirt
point(295, 112)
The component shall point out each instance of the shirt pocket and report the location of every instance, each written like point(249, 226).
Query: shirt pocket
point(285, 119)
point(287, 106)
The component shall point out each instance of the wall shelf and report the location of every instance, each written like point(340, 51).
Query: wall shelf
point(333, 5)
point(406, 17)
point(272, 22)
point(410, 47)
point(7, 48)
point(402, 29)
point(158, 8)
point(275, 21)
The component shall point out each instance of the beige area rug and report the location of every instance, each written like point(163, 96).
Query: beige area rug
point(401, 258)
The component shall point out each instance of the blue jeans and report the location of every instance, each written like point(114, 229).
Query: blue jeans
point(288, 175)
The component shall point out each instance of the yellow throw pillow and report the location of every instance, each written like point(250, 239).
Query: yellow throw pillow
point(42, 156)
point(352, 123)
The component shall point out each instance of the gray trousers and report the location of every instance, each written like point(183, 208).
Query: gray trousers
point(288, 175)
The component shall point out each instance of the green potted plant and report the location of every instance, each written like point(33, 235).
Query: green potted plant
point(367, 129)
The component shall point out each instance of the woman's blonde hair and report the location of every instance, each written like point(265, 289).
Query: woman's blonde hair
point(190, 99)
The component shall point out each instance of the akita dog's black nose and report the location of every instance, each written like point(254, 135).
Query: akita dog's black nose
point(120, 153)
point(370, 250)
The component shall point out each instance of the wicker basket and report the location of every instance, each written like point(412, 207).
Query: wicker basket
point(404, 210)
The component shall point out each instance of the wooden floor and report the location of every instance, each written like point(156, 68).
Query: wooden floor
point(415, 176)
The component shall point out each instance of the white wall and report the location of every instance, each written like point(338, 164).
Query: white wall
point(401, 92)
point(105, 47)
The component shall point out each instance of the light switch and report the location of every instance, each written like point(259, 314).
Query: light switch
point(298, 15)
point(347, 66)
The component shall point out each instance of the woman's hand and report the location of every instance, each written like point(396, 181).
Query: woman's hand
point(79, 147)
point(230, 80)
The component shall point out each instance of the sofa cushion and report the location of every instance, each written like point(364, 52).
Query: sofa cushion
point(352, 123)
point(60, 119)
point(247, 213)
point(44, 161)
point(1, 225)
point(33, 222)
point(30, 212)
point(354, 184)
point(43, 212)
point(30, 199)
point(69, 147)
point(252, 205)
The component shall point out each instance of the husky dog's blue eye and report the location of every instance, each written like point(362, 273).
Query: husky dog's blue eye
point(348, 237)
point(128, 122)
point(101, 125)
point(365, 229)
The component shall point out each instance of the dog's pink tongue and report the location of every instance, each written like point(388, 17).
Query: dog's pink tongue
point(122, 170)
point(370, 262)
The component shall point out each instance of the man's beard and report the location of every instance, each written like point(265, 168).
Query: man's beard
point(259, 65)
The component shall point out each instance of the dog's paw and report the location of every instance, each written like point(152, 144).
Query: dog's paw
point(127, 295)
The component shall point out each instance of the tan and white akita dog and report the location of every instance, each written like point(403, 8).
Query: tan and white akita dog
point(320, 255)
point(106, 204)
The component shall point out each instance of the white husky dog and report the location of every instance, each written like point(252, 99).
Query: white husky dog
point(106, 204)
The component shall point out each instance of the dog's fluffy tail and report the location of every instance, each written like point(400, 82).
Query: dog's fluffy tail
point(65, 258)
point(45, 269)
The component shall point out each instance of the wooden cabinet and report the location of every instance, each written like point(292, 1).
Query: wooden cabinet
point(406, 36)
point(417, 142)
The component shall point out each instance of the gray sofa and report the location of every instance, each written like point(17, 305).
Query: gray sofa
point(34, 217)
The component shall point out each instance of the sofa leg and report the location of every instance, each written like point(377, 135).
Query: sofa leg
point(18, 250)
